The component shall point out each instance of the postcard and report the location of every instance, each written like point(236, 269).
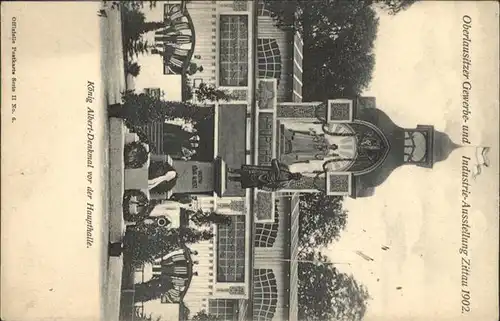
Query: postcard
point(250, 160)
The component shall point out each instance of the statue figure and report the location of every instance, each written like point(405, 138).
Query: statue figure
point(302, 146)
point(269, 178)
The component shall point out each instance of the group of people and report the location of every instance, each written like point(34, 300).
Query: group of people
point(174, 269)
point(180, 141)
point(171, 40)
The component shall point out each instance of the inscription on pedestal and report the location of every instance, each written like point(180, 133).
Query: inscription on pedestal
point(340, 110)
point(338, 183)
point(265, 138)
point(307, 183)
point(266, 93)
point(301, 111)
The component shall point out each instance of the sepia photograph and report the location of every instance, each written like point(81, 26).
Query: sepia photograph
point(259, 160)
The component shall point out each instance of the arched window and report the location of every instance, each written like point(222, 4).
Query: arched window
point(415, 150)
point(265, 295)
point(269, 58)
point(266, 233)
point(262, 10)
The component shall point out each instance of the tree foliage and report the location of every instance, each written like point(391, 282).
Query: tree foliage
point(135, 26)
point(204, 316)
point(394, 6)
point(339, 58)
point(146, 243)
point(338, 41)
point(140, 109)
point(133, 68)
point(328, 294)
point(293, 14)
point(321, 220)
point(151, 290)
point(207, 218)
point(206, 92)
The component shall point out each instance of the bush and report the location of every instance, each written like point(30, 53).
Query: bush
point(135, 155)
point(207, 92)
point(141, 109)
point(146, 243)
point(142, 204)
point(133, 69)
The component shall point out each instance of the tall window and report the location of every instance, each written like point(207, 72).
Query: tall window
point(266, 233)
point(265, 295)
point(224, 309)
point(233, 51)
point(231, 250)
point(415, 150)
point(269, 58)
point(262, 10)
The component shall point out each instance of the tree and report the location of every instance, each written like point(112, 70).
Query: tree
point(327, 294)
point(151, 290)
point(137, 47)
point(133, 69)
point(321, 220)
point(134, 27)
point(141, 109)
point(338, 41)
point(203, 316)
point(206, 92)
point(293, 14)
point(147, 243)
point(338, 56)
point(135, 24)
point(395, 6)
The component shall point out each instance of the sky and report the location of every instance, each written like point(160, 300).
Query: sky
point(416, 213)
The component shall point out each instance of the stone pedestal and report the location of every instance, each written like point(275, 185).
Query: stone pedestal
point(135, 178)
point(197, 177)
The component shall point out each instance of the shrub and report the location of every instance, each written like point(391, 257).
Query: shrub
point(133, 69)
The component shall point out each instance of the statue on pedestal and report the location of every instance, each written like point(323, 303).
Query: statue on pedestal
point(266, 177)
point(302, 146)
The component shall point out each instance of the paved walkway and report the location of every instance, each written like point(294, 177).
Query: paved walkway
point(113, 78)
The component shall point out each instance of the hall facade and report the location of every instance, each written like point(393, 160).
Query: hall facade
point(249, 270)
point(345, 146)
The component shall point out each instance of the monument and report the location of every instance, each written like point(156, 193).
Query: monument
point(344, 146)
point(200, 178)
point(271, 178)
